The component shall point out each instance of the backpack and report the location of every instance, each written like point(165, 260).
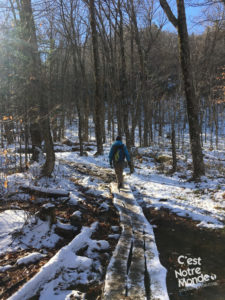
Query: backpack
point(119, 154)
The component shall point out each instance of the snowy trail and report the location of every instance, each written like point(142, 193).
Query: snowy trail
point(203, 201)
point(181, 198)
point(136, 255)
point(139, 272)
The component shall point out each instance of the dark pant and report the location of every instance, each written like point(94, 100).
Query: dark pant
point(119, 172)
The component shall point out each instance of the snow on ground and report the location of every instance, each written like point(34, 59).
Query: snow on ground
point(10, 221)
point(37, 234)
point(202, 201)
point(5, 268)
point(18, 230)
point(66, 269)
point(30, 258)
point(184, 199)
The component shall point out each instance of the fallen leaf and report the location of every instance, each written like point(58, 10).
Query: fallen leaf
point(6, 184)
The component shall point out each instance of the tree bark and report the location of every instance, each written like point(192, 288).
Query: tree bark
point(123, 85)
point(30, 51)
point(191, 101)
point(173, 143)
point(98, 104)
point(39, 107)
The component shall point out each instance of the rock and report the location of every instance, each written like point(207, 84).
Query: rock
point(75, 218)
point(47, 213)
point(66, 230)
point(163, 200)
point(67, 142)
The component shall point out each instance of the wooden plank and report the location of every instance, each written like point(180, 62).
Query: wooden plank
point(117, 283)
point(157, 273)
point(136, 275)
point(126, 280)
point(116, 276)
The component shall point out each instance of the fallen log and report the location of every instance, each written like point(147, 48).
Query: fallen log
point(44, 192)
point(104, 173)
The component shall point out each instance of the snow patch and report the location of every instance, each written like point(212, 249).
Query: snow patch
point(5, 268)
point(204, 224)
point(63, 269)
point(10, 221)
point(30, 258)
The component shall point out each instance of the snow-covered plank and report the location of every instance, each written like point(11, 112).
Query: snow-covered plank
point(116, 275)
point(142, 254)
point(157, 273)
point(136, 276)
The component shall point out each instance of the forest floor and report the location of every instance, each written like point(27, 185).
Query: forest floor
point(68, 259)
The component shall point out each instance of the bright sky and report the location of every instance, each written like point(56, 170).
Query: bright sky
point(192, 15)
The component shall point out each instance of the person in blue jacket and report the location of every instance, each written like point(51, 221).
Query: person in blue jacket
point(117, 155)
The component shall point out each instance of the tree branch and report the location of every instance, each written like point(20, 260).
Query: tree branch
point(165, 6)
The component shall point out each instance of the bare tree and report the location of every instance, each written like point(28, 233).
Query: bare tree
point(98, 100)
point(192, 104)
point(40, 127)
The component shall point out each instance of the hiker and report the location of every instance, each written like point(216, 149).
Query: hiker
point(117, 154)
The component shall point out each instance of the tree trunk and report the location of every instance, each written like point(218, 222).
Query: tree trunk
point(80, 128)
point(173, 143)
point(50, 154)
point(192, 104)
point(123, 86)
point(39, 109)
point(146, 124)
point(98, 104)
point(30, 50)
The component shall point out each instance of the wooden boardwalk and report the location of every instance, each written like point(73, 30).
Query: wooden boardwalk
point(129, 272)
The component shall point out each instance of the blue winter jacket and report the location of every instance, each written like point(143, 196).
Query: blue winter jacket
point(113, 149)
